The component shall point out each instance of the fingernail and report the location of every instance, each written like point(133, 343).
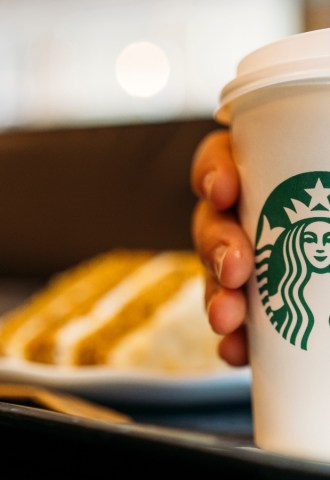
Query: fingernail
point(208, 182)
point(218, 259)
point(208, 305)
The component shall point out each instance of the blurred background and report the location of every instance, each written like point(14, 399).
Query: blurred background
point(122, 61)
point(102, 104)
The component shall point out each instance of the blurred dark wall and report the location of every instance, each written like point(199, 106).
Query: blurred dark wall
point(68, 194)
point(316, 14)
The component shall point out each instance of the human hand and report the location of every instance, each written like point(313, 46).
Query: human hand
point(221, 243)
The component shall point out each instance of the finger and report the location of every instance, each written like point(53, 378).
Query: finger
point(226, 308)
point(222, 245)
point(214, 175)
point(233, 348)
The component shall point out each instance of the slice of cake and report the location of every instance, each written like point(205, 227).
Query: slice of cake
point(125, 309)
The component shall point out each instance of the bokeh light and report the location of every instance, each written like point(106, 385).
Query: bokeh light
point(142, 69)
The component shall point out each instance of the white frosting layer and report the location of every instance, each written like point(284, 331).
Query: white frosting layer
point(179, 336)
point(111, 303)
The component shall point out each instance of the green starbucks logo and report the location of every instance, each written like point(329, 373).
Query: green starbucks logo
point(292, 254)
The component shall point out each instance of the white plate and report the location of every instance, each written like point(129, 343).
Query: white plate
point(133, 387)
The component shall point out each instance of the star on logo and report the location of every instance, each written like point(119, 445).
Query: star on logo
point(319, 198)
point(319, 195)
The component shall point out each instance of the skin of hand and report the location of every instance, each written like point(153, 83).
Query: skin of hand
point(221, 243)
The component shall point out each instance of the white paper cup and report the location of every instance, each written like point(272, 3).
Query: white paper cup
point(278, 109)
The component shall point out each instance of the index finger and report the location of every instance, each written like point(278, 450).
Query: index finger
point(214, 175)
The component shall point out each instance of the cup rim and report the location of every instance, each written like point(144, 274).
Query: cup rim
point(299, 58)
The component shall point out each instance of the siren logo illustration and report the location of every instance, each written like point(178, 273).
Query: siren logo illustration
point(292, 250)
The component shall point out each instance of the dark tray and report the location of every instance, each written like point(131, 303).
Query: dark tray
point(46, 444)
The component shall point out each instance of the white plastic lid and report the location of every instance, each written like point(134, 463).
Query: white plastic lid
point(301, 57)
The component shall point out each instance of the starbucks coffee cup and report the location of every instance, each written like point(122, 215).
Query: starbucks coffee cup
point(278, 111)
